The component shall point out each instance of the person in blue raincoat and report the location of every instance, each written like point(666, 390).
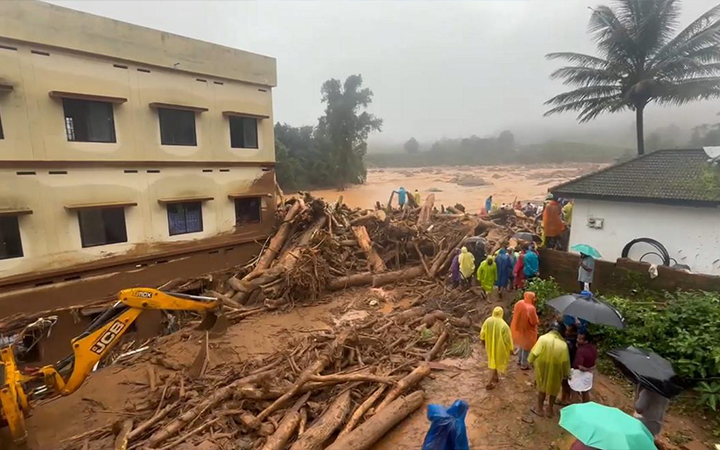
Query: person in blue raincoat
point(402, 196)
point(488, 204)
point(531, 264)
point(504, 270)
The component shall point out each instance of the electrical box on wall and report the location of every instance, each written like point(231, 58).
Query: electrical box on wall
point(595, 222)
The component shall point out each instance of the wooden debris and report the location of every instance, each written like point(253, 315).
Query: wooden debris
point(371, 431)
point(409, 381)
point(325, 426)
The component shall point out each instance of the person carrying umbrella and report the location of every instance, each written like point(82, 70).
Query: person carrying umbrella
point(656, 381)
point(586, 270)
point(524, 327)
point(551, 360)
point(498, 345)
point(600, 427)
point(650, 408)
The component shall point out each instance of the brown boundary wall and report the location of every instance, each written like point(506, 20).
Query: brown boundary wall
point(621, 275)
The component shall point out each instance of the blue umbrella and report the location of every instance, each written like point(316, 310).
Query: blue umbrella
point(586, 250)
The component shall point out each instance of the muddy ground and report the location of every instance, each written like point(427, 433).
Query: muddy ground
point(496, 420)
point(468, 185)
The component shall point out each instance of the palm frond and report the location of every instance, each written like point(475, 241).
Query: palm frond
point(612, 36)
point(584, 93)
point(702, 32)
point(584, 76)
point(686, 91)
point(580, 58)
point(590, 108)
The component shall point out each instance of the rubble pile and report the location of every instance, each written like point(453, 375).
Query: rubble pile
point(319, 247)
point(332, 390)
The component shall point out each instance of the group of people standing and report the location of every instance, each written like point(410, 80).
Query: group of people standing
point(506, 270)
point(563, 359)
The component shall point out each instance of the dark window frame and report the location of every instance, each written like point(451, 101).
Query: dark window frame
point(238, 136)
point(238, 217)
point(184, 212)
point(73, 107)
point(105, 212)
point(2, 131)
point(168, 136)
point(14, 222)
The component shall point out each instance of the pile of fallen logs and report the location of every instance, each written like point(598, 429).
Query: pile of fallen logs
point(337, 391)
point(319, 247)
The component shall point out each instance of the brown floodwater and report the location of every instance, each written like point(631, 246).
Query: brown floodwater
point(506, 183)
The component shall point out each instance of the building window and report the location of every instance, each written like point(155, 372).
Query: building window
point(247, 210)
point(177, 127)
point(102, 226)
point(10, 244)
point(184, 217)
point(89, 121)
point(2, 134)
point(243, 132)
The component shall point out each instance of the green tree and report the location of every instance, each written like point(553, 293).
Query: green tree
point(411, 146)
point(343, 130)
point(640, 61)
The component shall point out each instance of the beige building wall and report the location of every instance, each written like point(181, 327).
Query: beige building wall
point(46, 49)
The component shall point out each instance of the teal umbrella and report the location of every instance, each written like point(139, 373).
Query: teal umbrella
point(605, 428)
point(587, 250)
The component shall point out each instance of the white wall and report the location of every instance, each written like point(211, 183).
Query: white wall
point(691, 235)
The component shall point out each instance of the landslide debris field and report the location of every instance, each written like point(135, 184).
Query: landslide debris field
point(344, 329)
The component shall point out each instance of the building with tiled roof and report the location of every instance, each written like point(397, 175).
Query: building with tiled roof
point(672, 196)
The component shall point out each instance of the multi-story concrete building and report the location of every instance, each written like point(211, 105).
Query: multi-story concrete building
point(125, 145)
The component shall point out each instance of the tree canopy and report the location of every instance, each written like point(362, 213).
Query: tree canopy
point(641, 60)
point(411, 146)
point(331, 153)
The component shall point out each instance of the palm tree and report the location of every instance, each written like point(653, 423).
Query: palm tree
point(641, 62)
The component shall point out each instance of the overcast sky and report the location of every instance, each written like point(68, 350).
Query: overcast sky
point(438, 69)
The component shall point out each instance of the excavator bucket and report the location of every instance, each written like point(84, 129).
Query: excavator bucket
point(215, 323)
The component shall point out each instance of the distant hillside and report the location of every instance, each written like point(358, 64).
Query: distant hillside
point(489, 151)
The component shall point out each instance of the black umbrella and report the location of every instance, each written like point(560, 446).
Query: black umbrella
point(588, 308)
point(647, 368)
point(526, 236)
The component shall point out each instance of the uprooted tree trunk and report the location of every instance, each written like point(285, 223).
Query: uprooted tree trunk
point(284, 264)
point(375, 262)
point(325, 426)
point(426, 210)
point(358, 414)
point(409, 381)
point(376, 280)
point(367, 434)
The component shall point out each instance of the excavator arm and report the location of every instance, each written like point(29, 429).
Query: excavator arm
point(106, 330)
point(92, 345)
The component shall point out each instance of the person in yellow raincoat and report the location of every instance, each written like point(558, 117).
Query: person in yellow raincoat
point(498, 344)
point(487, 274)
point(551, 359)
point(467, 265)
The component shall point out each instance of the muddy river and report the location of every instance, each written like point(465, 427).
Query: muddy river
point(466, 185)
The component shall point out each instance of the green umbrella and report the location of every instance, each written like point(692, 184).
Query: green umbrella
point(586, 250)
point(605, 428)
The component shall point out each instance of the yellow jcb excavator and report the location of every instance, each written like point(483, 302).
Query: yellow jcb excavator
point(66, 376)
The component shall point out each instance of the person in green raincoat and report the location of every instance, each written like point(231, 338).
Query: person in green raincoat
point(498, 344)
point(467, 265)
point(551, 359)
point(487, 274)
